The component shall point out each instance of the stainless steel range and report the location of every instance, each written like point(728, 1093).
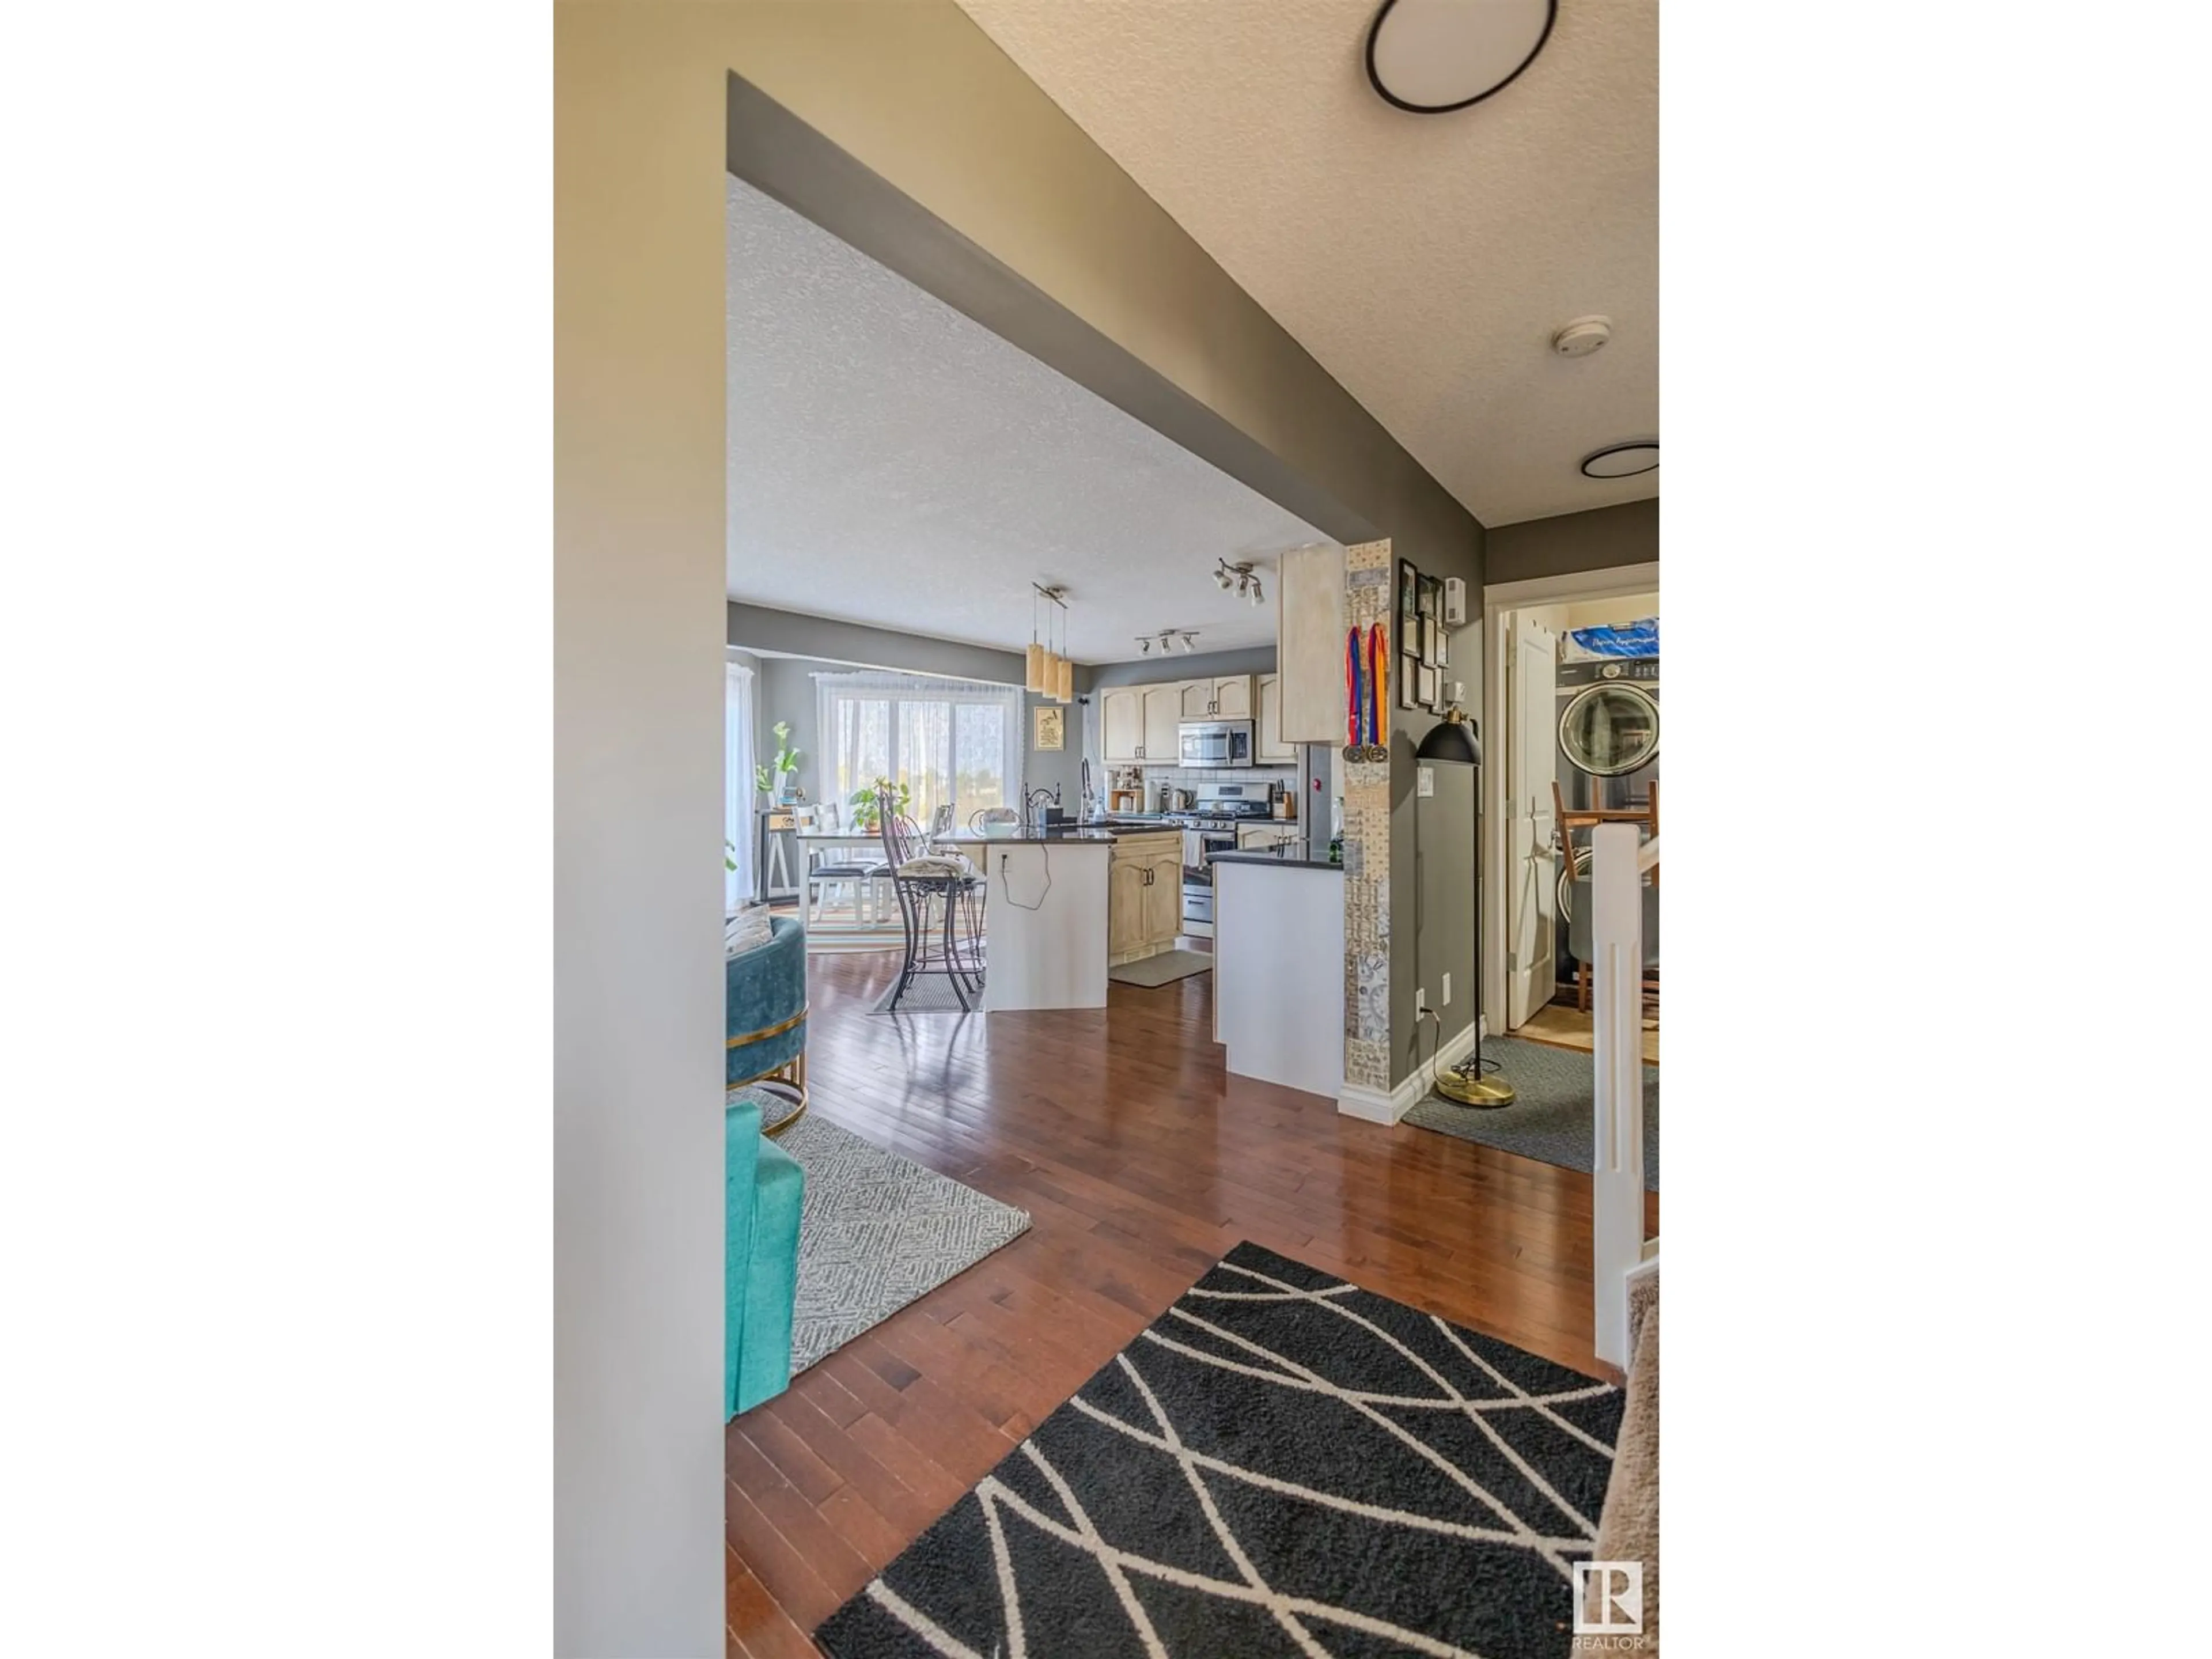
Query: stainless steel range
point(1210, 827)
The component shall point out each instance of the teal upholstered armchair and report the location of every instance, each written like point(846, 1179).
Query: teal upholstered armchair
point(765, 1003)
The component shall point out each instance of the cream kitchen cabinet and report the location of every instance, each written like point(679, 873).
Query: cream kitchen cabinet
point(1163, 713)
point(1268, 748)
point(1144, 896)
point(1121, 724)
point(1228, 697)
point(1263, 837)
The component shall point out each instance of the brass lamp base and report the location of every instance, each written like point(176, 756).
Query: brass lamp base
point(1470, 1089)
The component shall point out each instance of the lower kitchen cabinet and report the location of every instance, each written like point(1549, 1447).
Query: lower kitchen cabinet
point(1144, 896)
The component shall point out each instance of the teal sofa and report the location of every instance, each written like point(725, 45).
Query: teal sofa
point(765, 1025)
point(760, 1262)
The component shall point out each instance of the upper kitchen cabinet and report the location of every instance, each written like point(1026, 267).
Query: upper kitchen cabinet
point(1137, 724)
point(1121, 726)
point(1163, 713)
point(1229, 697)
point(1269, 746)
point(1309, 644)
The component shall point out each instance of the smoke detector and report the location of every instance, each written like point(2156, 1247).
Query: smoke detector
point(1582, 336)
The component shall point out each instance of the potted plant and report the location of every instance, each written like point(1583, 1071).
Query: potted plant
point(865, 813)
point(779, 779)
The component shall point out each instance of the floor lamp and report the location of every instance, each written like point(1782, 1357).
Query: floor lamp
point(1454, 741)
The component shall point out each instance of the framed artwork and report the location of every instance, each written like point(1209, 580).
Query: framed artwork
point(1432, 596)
point(1409, 668)
point(1427, 694)
point(1444, 648)
point(1428, 641)
point(1051, 727)
point(1409, 598)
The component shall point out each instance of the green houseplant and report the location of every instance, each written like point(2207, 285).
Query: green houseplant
point(865, 814)
point(779, 777)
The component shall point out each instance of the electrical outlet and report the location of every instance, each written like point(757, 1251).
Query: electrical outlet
point(1447, 1003)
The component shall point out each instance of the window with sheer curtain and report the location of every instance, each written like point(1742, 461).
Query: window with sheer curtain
point(737, 784)
point(956, 742)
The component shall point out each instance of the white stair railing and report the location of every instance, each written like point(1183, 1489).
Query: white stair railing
point(1617, 1247)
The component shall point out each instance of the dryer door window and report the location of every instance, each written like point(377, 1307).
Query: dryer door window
point(1609, 730)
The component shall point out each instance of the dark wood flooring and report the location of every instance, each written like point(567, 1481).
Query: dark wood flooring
point(1140, 1161)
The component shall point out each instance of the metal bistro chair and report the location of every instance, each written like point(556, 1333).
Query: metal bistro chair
point(937, 912)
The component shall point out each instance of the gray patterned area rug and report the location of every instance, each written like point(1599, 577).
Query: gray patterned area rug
point(1553, 1117)
point(877, 1231)
point(1285, 1465)
point(926, 994)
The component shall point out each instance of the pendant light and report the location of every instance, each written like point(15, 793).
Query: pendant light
point(1063, 681)
point(1035, 682)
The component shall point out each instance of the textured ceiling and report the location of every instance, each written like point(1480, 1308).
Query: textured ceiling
point(893, 462)
point(1423, 260)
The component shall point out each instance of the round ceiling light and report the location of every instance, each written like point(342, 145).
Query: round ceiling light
point(1623, 460)
point(1431, 57)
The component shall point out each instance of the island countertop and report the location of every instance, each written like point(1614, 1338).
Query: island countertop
point(1291, 861)
point(1025, 838)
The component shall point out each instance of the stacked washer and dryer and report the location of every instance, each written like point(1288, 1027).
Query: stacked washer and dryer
point(1608, 725)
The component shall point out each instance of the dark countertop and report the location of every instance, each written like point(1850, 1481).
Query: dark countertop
point(1295, 860)
point(1025, 838)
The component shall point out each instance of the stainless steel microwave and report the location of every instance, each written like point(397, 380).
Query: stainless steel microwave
point(1214, 742)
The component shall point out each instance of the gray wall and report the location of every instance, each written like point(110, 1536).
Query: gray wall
point(1412, 1040)
point(1599, 540)
point(1150, 670)
point(786, 692)
point(1441, 862)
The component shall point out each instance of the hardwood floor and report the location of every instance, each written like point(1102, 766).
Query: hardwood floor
point(1140, 1161)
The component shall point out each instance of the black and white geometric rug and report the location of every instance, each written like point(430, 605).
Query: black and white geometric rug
point(875, 1231)
point(1281, 1464)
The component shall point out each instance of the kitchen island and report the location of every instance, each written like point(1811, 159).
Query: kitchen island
point(1279, 967)
point(1045, 916)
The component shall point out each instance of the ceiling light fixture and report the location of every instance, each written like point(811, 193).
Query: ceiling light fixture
point(1188, 636)
point(1144, 645)
point(1623, 460)
point(1431, 57)
point(1243, 577)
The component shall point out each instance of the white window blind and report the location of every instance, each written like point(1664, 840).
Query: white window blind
point(957, 742)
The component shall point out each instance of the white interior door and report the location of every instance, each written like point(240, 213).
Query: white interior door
point(1532, 872)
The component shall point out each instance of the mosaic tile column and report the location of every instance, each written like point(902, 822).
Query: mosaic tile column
point(1367, 575)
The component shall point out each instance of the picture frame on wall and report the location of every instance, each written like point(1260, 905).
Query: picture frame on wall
point(1427, 694)
point(1432, 597)
point(1051, 729)
point(1444, 648)
point(1409, 598)
point(1409, 667)
point(1428, 641)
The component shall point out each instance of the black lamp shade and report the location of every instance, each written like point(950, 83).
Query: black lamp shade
point(1451, 741)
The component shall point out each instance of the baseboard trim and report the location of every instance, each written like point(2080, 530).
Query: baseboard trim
point(1373, 1106)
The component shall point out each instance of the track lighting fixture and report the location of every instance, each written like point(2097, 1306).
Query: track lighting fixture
point(1224, 577)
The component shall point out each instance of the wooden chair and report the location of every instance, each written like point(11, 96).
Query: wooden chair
point(1588, 817)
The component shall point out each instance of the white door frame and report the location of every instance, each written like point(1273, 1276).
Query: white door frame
point(1618, 582)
